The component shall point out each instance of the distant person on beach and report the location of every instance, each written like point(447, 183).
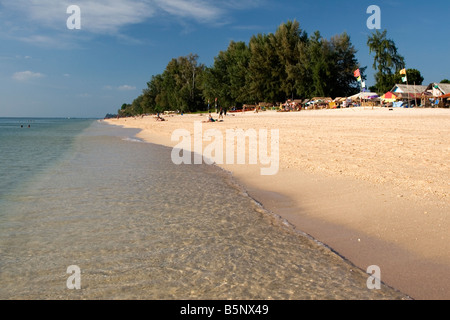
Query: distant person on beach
point(210, 119)
point(221, 113)
point(159, 118)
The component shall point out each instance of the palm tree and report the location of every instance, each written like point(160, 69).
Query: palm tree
point(387, 60)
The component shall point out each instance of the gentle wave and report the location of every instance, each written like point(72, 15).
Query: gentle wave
point(133, 140)
point(140, 227)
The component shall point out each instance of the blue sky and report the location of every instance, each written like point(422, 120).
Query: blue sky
point(49, 70)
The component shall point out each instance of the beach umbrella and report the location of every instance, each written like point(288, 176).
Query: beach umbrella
point(389, 97)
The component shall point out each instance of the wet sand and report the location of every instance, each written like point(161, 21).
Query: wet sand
point(371, 184)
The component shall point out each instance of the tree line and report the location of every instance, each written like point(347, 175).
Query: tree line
point(273, 68)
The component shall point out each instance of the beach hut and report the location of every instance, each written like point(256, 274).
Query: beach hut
point(433, 92)
point(438, 89)
point(408, 93)
point(404, 91)
point(445, 100)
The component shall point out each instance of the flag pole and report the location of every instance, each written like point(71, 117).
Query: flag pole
point(407, 88)
point(360, 93)
point(403, 72)
point(415, 95)
point(357, 75)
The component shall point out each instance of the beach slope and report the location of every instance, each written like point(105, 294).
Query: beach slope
point(372, 184)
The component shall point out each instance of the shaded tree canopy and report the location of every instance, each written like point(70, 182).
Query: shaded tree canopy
point(272, 68)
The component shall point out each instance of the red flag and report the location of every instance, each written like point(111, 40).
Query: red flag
point(357, 73)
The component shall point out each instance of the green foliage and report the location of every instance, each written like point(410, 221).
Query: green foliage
point(226, 80)
point(288, 64)
point(271, 68)
point(413, 75)
point(125, 111)
point(445, 81)
point(176, 89)
point(263, 69)
point(387, 61)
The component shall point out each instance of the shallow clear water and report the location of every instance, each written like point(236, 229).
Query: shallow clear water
point(140, 227)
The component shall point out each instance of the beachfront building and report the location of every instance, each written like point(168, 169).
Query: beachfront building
point(445, 100)
point(437, 93)
point(410, 93)
point(438, 89)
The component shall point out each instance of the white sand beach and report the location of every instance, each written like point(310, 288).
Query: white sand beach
point(372, 184)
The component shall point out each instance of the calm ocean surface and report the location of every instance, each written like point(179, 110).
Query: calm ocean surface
point(80, 192)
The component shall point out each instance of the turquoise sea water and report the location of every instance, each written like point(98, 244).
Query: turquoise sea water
point(28, 146)
point(83, 193)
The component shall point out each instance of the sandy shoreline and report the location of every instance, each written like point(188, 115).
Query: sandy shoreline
point(371, 184)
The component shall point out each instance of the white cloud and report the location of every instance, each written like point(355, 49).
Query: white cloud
point(101, 16)
point(197, 9)
point(126, 88)
point(109, 16)
point(26, 75)
point(41, 40)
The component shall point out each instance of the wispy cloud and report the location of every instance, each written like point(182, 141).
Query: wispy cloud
point(243, 4)
point(126, 88)
point(26, 75)
point(202, 11)
point(42, 40)
point(96, 16)
point(110, 16)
